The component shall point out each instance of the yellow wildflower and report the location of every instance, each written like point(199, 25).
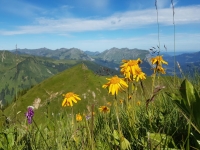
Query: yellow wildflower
point(121, 101)
point(104, 109)
point(115, 84)
point(138, 103)
point(69, 98)
point(129, 66)
point(78, 117)
point(158, 60)
point(139, 74)
point(159, 69)
point(109, 103)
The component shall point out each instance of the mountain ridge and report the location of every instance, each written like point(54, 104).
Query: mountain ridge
point(22, 72)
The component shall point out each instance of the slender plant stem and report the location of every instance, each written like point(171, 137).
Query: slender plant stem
point(191, 123)
point(41, 134)
point(92, 125)
point(172, 2)
point(158, 26)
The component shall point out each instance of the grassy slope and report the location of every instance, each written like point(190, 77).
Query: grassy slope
point(77, 79)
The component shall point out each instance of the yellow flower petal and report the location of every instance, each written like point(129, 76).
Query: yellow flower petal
point(115, 84)
point(69, 98)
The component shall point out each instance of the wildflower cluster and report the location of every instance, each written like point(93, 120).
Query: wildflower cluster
point(78, 117)
point(131, 70)
point(158, 61)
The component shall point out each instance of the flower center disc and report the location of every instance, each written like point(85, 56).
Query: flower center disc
point(69, 95)
point(105, 109)
point(132, 63)
point(114, 80)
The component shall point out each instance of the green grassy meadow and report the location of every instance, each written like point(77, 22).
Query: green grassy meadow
point(167, 122)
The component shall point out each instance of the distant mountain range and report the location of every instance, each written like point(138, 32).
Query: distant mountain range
point(62, 53)
point(109, 58)
point(113, 54)
point(188, 62)
point(112, 58)
point(22, 68)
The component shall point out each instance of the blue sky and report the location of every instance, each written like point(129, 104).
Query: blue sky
point(97, 25)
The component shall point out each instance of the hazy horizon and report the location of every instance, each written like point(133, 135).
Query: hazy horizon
point(163, 51)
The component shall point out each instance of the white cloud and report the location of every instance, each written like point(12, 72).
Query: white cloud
point(130, 19)
point(183, 42)
point(142, 42)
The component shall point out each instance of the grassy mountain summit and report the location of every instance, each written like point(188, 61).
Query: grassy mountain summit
point(78, 79)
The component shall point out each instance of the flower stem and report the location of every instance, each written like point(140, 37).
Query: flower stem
point(118, 123)
point(41, 134)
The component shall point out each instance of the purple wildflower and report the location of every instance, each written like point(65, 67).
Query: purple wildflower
point(30, 114)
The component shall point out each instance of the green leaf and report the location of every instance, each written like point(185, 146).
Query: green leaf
point(10, 138)
point(125, 144)
point(116, 135)
point(192, 100)
point(195, 109)
point(3, 143)
point(161, 139)
point(182, 107)
point(179, 102)
point(116, 142)
point(187, 92)
point(188, 103)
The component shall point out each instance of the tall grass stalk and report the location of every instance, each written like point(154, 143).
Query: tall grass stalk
point(92, 126)
point(172, 4)
point(158, 25)
point(41, 134)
